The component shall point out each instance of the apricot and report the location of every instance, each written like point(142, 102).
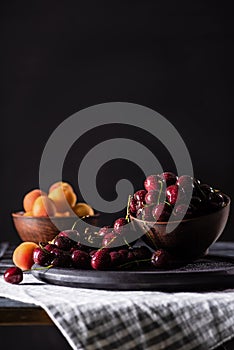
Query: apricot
point(59, 215)
point(83, 209)
point(61, 184)
point(30, 198)
point(62, 197)
point(23, 255)
point(28, 213)
point(43, 206)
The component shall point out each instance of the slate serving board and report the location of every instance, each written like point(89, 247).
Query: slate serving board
point(208, 273)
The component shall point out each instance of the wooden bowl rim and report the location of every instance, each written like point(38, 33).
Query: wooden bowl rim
point(19, 214)
point(151, 223)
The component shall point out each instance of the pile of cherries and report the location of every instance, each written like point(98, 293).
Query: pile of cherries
point(66, 250)
point(167, 195)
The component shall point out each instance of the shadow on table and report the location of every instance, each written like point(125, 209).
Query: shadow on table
point(32, 337)
point(47, 338)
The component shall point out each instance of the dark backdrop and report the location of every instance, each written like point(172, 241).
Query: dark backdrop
point(58, 57)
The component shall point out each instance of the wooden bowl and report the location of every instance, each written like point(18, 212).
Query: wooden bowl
point(190, 238)
point(42, 229)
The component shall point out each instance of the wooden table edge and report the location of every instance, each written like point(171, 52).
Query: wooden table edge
point(10, 316)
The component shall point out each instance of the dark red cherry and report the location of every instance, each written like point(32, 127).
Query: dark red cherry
point(101, 259)
point(124, 254)
point(41, 257)
point(61, 260)
point(133, 206)
point(64, 243)
point(140, 195)
point(80, 259)
point(172, 194)
point(151, 183)
point(168, 177)
point(119, 225)
point(151, 197)
point(140, 205)
point(142, 252)
point(207, 189)
point(216, 200)
point(183, 211)
point(116, 258)
point(13, 275)
point(49, 247)
point(56, 252)
point(161, 212)
point(92, 252)
point(185, 182)
point(162, 259)
point(196, 202)
point(104, 230)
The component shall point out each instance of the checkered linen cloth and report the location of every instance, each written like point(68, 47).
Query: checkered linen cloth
point(100, 319)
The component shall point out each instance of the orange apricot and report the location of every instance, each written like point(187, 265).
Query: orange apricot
point(28, 213)
point(59, 215)
point(61, 184)
point(30, 198)
point(23, 255)
point(83, 209)
point(43, 206)
point(62, 197)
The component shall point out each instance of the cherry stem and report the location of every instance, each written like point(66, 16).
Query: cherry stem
point(160, 191)
point(39, 268)
point(75, 223)
point(134, 262)
point(127, 217)
point(44, 250)
point(125, 240)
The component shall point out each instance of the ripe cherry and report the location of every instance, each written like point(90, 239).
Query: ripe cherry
point(183, 211)
point(168, 177)
point(162, 259)
point(161, 212)
point(80, 259)
point(151, 183)
point(119, 225)
point(64, 243)
point(104, 230)
point(133, 206)
point(216, 200)
point(172, 194)
point(140, 195)
point(151, 197)
point(41, 257)
point(116, 258)
point(13, 275)
point(101, 259)
point(186, 182)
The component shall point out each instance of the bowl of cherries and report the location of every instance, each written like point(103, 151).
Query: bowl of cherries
point(179, 214)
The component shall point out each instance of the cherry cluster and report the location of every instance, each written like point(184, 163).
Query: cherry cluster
point(66, 250)
point(167, 195)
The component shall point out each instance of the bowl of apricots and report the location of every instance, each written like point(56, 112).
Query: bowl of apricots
point(45, 214)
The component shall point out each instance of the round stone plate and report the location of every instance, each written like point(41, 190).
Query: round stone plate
point(208, 273)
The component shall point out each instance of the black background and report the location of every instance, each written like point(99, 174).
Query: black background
point(59, 57)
